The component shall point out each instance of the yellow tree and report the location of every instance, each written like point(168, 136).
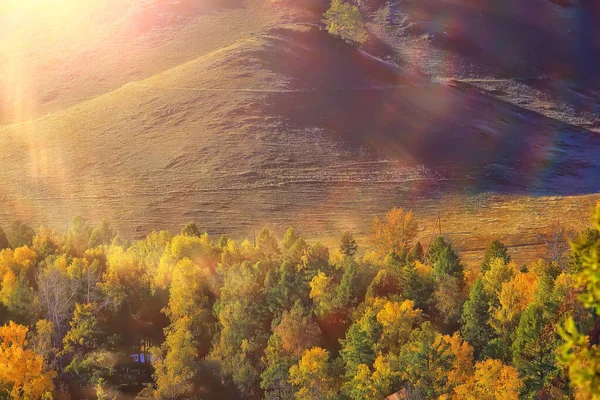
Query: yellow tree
point(21, 369)
point(397, 321)
point(513, 299)
point(311, 376)
point(394, 232)
point(492, 380)
point(462, 365)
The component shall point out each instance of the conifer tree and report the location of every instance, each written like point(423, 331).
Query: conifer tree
point(475, 326)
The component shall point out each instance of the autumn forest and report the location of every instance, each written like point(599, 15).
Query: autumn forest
point(188, 316)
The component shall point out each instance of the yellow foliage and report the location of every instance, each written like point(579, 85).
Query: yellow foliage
point(424, 271)
point(394, 232)
point(336, 258)
point(18, 260)
point(514, 298)
point(462, 366)
point(21, 368)
point(492, 380)
point(24, 256)
point(311, 375)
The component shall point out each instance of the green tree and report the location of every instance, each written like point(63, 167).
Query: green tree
point(344, 20)
point(348, 245)
point(102, 235)
point(496, 249)
point(534, 347)
point(475, 318)
point(85, 334)
point(426, 360)
point(448, 263)
point(275, 377)
point(3, 240)
point(78, 236)
point(20, 234)
point(191, 229)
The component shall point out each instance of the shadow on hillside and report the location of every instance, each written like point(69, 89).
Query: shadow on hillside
point(521, 36)
point(476, 140)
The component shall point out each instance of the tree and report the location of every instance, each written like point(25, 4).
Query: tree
point(555, 240)
point(475, 327)
point(492, 380)
point(448, 263)
point(496, 249)
point(3, 240)
point(449, 299)
point(21, 369)
point(275, 377)
point(395, 232)
point(297, 331)
point(18, 297)
point(102, 235)
point(311, 376)
point(497, 273)
point(344, 20)
point(397, 321)
point(191, 229)
point(56, 294)
point(78, 236)
point(20, 234)
point(175, 363)
point(514, 298)
point(577, 354)
point(426, 361)
point(85, 334)
point(534, 347)
point(348, 245)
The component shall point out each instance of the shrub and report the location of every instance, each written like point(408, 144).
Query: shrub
point(344, 20)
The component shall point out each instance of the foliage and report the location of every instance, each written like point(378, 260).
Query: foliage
point(192, 316)
point(394, 232)
point(577, 354)
point(21, 369)
point(496, 249)
point(344, 20)
point(311, 376)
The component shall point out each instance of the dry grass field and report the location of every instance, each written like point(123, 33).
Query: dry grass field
point(238, 115)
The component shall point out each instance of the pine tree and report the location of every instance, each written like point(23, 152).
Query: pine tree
point(348, 245)
point(496, 249)
point(534, 348)
point(475, 327)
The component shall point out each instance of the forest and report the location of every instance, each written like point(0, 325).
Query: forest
point(90, 315)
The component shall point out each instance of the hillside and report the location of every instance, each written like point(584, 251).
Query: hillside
point(241, 114)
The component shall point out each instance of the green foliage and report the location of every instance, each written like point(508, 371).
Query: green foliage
point(3, 240)
point(426, 360)
point(286, 319)
point(534, 349)
point(344, 20)
point(275, 377)
point(191, 229)
point(348, 245)
point(448, 263)
point(19, 234)
point(496, 249)
point(475, 328)
point(577, 354)
point(102, 235)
